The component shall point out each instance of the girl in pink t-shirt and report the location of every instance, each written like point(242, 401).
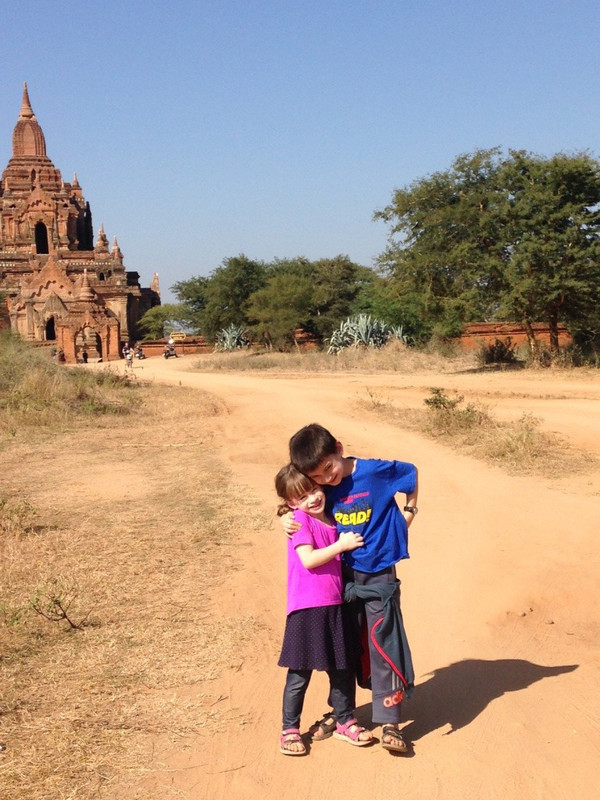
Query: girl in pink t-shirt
point(315, 632)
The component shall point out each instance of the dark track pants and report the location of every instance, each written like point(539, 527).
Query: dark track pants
point(386, 686)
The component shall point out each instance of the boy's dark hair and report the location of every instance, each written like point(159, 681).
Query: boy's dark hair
point(310, 446)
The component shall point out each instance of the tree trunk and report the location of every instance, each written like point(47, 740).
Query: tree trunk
point(553, 325)
point(532, 341)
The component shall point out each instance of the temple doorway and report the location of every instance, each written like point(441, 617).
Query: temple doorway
point(41, 239)
point(88, 345)
point(50, 330)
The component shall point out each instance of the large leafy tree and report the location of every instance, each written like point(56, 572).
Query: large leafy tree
point(220, 300)
point(496, 238)
point(313, 295)
point(337, 284)
point(552, 225)
point(284, 304)
point(444, 251)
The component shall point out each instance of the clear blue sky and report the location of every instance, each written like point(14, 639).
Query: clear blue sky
point(201, 129)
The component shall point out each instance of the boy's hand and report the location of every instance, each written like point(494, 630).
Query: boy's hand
point(289, 524)
point(350, 541)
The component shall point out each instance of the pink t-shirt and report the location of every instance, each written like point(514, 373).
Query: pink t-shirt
point(321, 586)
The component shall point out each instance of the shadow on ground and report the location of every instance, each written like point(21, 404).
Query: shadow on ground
point(455, 695)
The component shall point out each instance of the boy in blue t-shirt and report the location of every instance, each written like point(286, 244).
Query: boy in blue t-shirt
point(361, 497)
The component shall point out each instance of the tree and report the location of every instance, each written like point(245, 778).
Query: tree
point(552, 223)
point(382, 298)
point(337, 284)
point(160, 320)
point(281, 307)
point(498, 238)
point(220, 300)
point(444, 250)
point(191, 293)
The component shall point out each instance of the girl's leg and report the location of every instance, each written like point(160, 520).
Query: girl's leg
point(296, 685)
point(342, 694)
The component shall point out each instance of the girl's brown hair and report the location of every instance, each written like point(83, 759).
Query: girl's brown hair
point(289, 484)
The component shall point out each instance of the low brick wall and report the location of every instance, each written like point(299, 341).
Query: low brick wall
point(190, 346)
point(478, 333)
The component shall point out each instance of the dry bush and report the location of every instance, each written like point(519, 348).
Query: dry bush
point(519, 446)
point(138, 559)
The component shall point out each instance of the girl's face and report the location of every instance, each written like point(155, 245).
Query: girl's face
point(312, 501)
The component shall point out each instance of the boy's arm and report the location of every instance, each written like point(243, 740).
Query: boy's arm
point(411, 502)
point(311, 557)
point(289, 524)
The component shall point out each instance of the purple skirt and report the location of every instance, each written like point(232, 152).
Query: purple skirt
point(317, 638)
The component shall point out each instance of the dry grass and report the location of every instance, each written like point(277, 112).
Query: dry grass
point(395, 357)
point(81, 708)
point(519, 446)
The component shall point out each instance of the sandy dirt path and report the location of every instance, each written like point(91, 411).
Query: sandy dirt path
point(499, 599)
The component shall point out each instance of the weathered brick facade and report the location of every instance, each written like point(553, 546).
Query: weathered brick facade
point(476, 334)
point(60, 285)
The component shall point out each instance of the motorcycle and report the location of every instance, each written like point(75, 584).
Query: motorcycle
point(139, 353)
point(170, 352)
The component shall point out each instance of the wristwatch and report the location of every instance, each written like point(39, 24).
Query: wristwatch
point(411, 509)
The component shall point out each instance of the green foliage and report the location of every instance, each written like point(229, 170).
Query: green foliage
point(158, 321)
point(232, 338)
point(381, 297)
point(337, 284)
point(363, 331)
point(273, 300)
point(283, 304)
point(499, 237)
point(220, 300)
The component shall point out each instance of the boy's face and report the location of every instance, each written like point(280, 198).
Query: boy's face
point(331, 470)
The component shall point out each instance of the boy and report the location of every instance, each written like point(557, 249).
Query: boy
point(361, 497)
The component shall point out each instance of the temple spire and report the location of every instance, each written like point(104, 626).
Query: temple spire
point(28, 137)
point(26, 109)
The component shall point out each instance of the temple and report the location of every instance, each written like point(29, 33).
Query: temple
point(58, 284)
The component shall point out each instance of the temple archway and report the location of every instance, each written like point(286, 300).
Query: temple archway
point(41, 239)
point(50, 330)
point(88, 340)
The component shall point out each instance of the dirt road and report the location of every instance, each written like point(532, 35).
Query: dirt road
point(499, 598)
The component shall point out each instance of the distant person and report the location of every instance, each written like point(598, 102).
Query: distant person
point(84, 356)
point(361, 497)
point(316, 634)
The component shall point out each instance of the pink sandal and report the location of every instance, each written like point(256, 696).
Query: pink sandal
point(291, 736)
point(350, 732)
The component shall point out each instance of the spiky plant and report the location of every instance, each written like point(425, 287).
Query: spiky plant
point(231, 338)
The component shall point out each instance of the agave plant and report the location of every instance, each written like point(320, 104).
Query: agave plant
point(363, 330)
point(231, 338)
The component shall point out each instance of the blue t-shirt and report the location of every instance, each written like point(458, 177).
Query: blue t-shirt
point(364, 502)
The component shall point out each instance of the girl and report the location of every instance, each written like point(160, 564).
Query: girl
point(314, 631)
